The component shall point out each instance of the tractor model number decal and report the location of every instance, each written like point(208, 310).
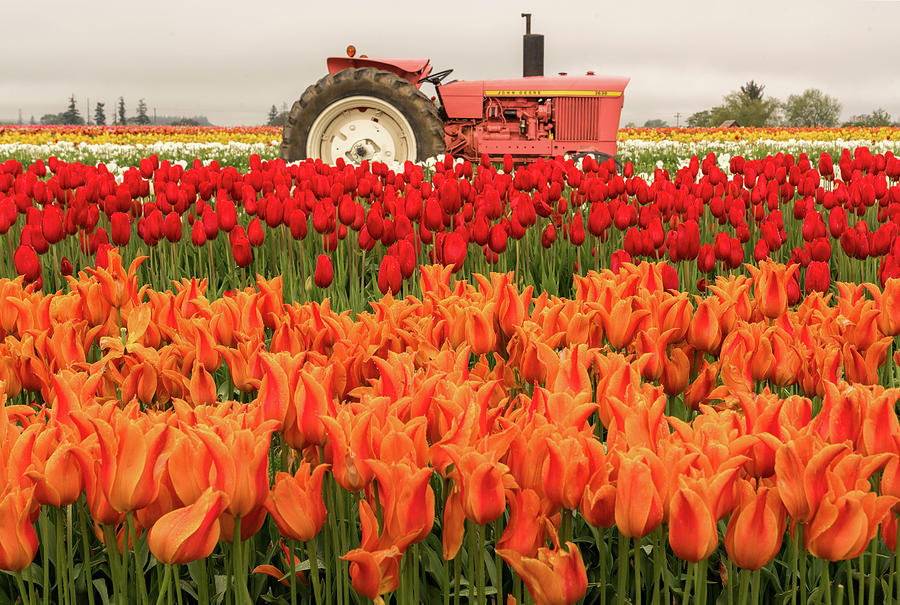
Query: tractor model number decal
point(553, 93)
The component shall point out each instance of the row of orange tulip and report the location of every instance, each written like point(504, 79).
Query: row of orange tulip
point(565, 412)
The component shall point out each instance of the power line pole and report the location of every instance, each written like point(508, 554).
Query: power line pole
point(154, 116)
point(677, 119)
point(20, 115)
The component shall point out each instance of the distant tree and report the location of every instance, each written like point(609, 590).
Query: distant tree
point(273, 115)
point(122, 118)
point(142, 118)
point(31, 121)
point(185, 122)
point(877, 118)
point(52, 118)
point(753, 91)
point(812, 108)
point(701, 119)
point(656, 124)
point(748, 106)
point(71, 115)
point(99, 115)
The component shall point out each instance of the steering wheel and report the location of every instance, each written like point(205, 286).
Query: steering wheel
point(437, 77)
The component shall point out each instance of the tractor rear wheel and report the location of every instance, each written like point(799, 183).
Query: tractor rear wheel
point(362, 114)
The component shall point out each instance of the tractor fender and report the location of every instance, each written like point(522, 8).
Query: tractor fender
point(411, 70)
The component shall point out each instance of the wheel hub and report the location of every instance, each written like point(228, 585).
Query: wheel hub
point(361, 128)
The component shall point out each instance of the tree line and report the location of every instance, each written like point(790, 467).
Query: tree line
point(72, 116)
point(749, 106)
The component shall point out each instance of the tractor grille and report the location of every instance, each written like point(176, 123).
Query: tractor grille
point(577, 119)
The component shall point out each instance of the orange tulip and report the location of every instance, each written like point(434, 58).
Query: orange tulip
point(190, 533)
point(407, 500)
point(566, 470)
point(800, 474)
point(483, 483)
point(705, 332)
point(844, 524)
point(129, 451)
point(248, 456)
point(296, 504)
point(18, 539)
point(374, 573)
point(554, 577)
point(639, 506)
point(524, 533)
point(756, 527)
point(770, 286)
point(692, 526)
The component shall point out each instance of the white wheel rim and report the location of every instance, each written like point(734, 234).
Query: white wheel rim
point(361, 128)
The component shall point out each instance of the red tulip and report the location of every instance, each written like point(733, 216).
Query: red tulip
point(255, 233)
point(324, 274)
point(818, 277)
point(27, 263)
point(389, 276)
point(454, 250)
point(120, 228)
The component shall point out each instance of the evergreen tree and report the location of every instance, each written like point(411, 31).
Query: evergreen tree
point(273, 115)
point(122, 118)
point(142, 118)
point(100, 115)
point(72, 115)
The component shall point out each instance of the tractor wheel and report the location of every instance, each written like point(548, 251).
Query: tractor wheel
point(362, 114)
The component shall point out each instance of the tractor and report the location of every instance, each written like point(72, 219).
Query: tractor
point(373, 109)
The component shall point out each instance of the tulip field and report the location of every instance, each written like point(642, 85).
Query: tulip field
point(227, 379)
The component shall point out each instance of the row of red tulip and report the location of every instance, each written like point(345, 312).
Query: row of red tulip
point(571, 411)
point(776, 207)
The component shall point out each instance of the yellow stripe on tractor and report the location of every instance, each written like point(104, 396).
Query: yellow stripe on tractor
point(553, 93)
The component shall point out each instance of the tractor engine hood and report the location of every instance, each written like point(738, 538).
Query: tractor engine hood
point(465, 99)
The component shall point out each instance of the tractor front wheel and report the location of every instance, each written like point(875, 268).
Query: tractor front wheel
point(362, 114)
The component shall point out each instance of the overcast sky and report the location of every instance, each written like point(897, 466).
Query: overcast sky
point(231, 60)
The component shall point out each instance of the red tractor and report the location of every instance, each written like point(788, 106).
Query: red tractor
point(372, 109)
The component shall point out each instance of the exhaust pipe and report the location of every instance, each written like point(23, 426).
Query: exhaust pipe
point(532, 50)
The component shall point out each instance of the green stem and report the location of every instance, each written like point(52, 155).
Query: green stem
point(742, 590)
point(498, 562)
point(456, 578)
point(446, 582)
point(802, 550)
point(86, 554)
point(241, 595)
point(164, 589)
point(292, 571)
point(622, 570)
point(314, 569)
point(139, 580)
point(479, 564)
point(177, 584)
point(23, 592)
point(657, 566)
point(61, 580)
point(826, 582)
point(754, 586)
point(637, 571)
point(203, 588)
point(700, 583)
point(873, 569)
point(686, 595)
point(601, 550)
point(45, 557)
point(115, 567)
point(848, 574)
